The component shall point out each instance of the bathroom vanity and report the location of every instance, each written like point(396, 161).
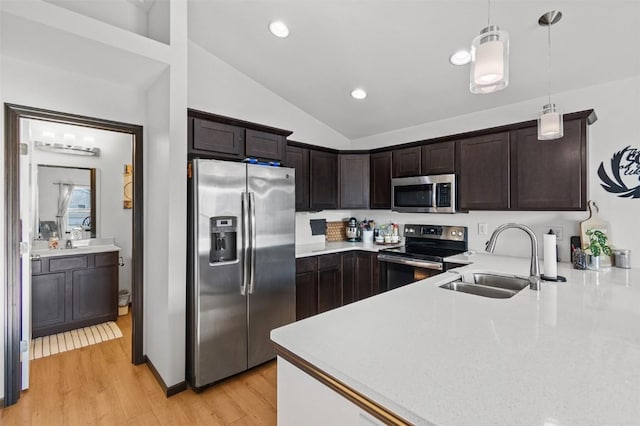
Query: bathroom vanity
point(73, 288)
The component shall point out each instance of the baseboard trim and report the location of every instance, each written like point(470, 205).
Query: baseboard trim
point(168, 390)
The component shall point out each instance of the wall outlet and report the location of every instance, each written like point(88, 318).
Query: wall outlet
point(482, 229)
point(558, 230)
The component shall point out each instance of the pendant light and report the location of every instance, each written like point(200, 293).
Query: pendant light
point(550, 124)
point(489, 59)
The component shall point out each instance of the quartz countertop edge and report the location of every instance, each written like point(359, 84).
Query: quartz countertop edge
point(564, 355)
point(306, 250)
point(91, 249)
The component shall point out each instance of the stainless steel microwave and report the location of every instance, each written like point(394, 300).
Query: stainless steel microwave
point(424, 194)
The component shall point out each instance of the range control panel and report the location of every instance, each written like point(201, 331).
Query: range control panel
point(436, 232)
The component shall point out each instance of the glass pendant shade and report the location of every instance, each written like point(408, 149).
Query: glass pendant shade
point(489, 61)
point(550, 124)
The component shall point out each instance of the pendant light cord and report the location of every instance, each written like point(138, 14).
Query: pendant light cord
point(488, 13)
point(549, 61)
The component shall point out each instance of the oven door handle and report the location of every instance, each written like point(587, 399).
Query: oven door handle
point(417, 263)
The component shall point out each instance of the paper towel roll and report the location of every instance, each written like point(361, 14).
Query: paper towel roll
point(549, 250)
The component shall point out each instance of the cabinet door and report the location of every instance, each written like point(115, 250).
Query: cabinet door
point(348, 278)
point(438, 158)
point(354, 181)
point(209, 136)
point(550, 174)
point(375, 273)
point(298, 158)
point(264, 145)
point(306, 294)
point(380, 173)
point(324, 180)
point(47, 301)
point(483, 169)
point(95, 293)
point(364, 276)
point(406, 162)
point(329, 289)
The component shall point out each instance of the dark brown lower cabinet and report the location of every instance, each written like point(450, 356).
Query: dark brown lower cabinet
point(306, 287)
point(68, 292)
point(332, 280)
point(329, 282)
point(348, 277)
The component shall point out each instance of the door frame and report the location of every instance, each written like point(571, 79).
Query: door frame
point(12, 280)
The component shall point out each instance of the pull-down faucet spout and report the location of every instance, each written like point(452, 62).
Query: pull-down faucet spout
point(534, 272)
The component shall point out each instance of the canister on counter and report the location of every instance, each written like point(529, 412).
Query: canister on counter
point(622, 258)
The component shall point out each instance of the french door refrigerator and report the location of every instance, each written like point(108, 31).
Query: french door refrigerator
point(241, 265)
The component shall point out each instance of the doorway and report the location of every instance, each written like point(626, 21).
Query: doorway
point(14, 115)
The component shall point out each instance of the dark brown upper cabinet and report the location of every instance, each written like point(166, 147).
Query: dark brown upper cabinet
point(265, 145)
point(225, 138)
point(323, 180)
point(438, 158)
point(406, 162)
point(298, 158)
point(549, 174)
point(380, 180)
point(354, 181)
point(483, 172)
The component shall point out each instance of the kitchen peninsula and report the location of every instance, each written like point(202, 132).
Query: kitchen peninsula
point(421, 354)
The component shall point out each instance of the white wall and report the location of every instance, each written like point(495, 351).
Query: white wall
point(216, 87)
point(49, 88)
point(112, 220)
point(617, 105)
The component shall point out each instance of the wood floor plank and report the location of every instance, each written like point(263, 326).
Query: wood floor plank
point(98, 385)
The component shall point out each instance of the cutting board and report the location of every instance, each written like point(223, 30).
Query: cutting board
point(593, 222)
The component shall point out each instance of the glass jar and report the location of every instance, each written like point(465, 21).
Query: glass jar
point(579, 259)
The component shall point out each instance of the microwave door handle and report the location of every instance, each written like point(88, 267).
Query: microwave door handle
point(245, 243)
point(434, 195)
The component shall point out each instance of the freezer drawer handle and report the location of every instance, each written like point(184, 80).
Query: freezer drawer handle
point(245, 243)
point(252, 206)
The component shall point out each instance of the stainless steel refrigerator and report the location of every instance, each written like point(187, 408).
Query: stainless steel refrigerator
point(241, 265)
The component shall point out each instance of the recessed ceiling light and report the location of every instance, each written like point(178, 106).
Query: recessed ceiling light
point(358, 93)
point(461, 57)
point(279, 29)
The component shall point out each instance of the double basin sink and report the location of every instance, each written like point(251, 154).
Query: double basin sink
point(488, 285)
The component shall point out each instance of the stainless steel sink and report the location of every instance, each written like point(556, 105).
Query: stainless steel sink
point(500, 281)
point(488, 285)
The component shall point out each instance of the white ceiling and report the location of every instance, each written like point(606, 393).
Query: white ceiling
point(398, 50)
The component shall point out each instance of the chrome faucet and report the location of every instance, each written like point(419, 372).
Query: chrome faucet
point(534, 272)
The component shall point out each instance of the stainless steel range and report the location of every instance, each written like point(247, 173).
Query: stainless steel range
point(422, 256)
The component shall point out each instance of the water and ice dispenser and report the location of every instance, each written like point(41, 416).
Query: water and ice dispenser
point(223, 234)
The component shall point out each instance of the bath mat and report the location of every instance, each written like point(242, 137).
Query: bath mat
point(74, 339)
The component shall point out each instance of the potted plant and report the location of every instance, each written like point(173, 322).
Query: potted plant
point(597, 246)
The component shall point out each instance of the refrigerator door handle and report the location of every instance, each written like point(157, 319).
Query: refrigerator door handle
point(245, 243)
point(252, 213)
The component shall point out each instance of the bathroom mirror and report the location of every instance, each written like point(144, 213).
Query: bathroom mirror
point(66, 202)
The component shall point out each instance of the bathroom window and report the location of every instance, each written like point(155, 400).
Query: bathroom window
point(79, 212)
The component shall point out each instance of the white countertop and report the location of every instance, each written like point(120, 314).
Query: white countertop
point(304, 250)
point(567, 355)
point(95, 245)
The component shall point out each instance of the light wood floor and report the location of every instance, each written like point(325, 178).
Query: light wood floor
point(98, 385)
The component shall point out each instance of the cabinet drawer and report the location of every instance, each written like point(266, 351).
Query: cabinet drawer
point(66, 263)
point(36, 266)
point(328, 261)
point(306, 264)
point(106, 259)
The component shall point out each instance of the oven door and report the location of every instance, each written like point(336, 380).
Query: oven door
point(397, 271)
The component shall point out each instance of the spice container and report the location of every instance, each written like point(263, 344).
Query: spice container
point(579, 259)
point(622, 258)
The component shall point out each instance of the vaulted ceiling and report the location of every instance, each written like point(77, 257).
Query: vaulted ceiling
point(398, 50)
